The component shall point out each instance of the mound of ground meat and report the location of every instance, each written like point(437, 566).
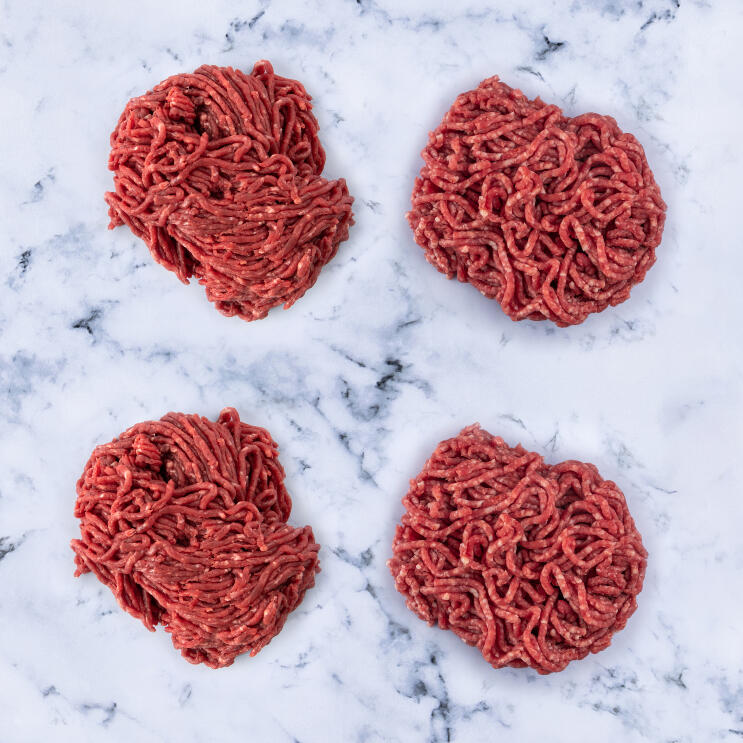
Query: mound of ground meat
point(534, 564)
point(552, 216)
point(184, 519)
point(219, 173)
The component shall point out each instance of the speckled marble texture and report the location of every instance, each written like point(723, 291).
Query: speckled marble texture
point(366, 373)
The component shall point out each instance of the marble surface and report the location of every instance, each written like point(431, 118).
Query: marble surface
point(360, 380)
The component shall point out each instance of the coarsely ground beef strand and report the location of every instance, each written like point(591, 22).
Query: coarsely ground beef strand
point(535, 565)
point(219, 172)
point(184, 520)
point(554, 217)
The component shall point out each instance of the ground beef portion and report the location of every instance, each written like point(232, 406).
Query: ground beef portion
point(184, 519)
point(219, 173)
point(554, 217)
point(534, 564)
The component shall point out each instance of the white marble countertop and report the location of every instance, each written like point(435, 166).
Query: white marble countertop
point(361, 379)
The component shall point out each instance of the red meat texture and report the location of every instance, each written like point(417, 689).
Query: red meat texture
point(535, 565)
point(184, 519)
point(552, 216)
point(219, 173)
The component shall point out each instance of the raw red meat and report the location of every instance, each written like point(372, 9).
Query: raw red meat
point(534, 564)
point(219, 172)
point(554, 217)
point(184, 520)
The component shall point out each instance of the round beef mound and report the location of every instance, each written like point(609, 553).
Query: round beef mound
point(554, 217)
point(535, 565)
point(184, 519)
point(219, 173)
